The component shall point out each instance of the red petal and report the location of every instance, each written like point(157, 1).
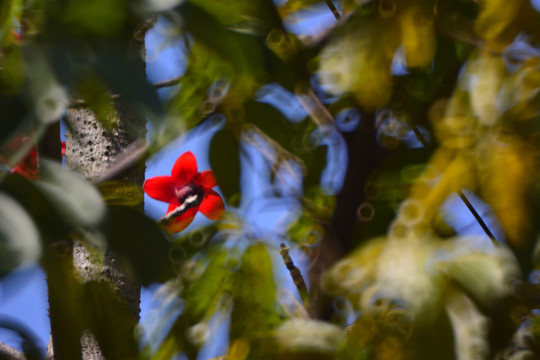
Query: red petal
point(181, 222)
point(212, 205)
point(28, 167)
point(184, 169)
point(160, 188)
point(206, 179)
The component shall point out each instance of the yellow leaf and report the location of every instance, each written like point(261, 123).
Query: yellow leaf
point(448, 171)
point(485, 78)
point(509, 169)
point(417, 36)
point(495, 21)
point(359, 62)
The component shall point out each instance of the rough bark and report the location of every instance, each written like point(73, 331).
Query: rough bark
point(91, 150)
point(9, 353)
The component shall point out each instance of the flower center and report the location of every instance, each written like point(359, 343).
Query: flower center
point(191, 193)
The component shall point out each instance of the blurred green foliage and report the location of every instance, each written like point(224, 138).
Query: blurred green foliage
point(447, 94)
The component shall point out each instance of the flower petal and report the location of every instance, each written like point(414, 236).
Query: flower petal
point(212, 205)
point(181, 222)
point(160, 188)
point(206, 179)
point(184, 169)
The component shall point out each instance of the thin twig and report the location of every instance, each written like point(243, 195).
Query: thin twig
point(478, 218)
point(296, 275)
point(466, 201)
point(78, 103)
point(311, 103)
point(167, 83)
point(332, 8)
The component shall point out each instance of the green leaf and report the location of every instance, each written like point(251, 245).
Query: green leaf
point(201, 296)
point(118, 192)
point(225, 162)
point(110, 321)
point(315, 166)
point(238, 49)
point(19, 236)
point(14, 116)
point(291, 137)
point(275, 125)
point(126, 79)
point(140, 245)
point(74, 198)
point(254, 311)
point(47, 217)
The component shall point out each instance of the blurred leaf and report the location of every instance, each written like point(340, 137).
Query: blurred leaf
point(240, 50)
point(140, 245)
point(418, 35)
point(118, 192)
point(109, 321)
point(19, 236)
point(254, 310)
point(509, 166)
point(307, 336)
point(484, 276)
point(191, 101)
point(74, 197)
point(495, 17)
point(67, 306)
point(98, 99)
point(485, 77)
point(126, 79)
point(15, 114)
point(204, 292)
point(276, 126)
point(521, 92)
point(315, 166)
point(81, 16)
point(292, 6)
point(9, 9)
point(202, 295)
point(470, 327)
point(358, 60)
point(225, 162)
point(293, 137)
point(46, 215)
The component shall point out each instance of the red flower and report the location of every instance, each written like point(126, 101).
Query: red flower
point(28, 166)
point(186, 186)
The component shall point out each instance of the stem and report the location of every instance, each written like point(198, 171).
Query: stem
point(478, 218)
point(78, 103)
point(296, 275)
point(332, 7)
point(471, 208)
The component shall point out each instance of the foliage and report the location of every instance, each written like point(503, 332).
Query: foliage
point(368, 128)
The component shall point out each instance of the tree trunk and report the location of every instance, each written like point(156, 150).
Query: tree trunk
point(92, 150)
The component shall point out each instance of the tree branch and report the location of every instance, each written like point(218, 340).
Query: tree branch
point(296, 275)
point(332, 8)
point(78, 103)
point(9, 353)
